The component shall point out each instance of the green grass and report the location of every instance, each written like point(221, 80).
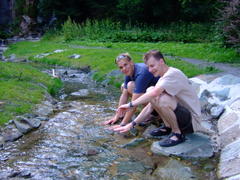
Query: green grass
point(203, 51)
point(21, 87)
point(100, 59)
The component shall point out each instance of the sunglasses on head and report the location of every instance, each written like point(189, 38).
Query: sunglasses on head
point(120, 57)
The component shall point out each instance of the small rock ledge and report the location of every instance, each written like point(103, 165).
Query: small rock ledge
point(21, 125)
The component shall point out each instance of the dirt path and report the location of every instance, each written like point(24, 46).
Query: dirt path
point(224, 67)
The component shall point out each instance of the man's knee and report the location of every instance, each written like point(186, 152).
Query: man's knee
point(130, 87)
point(122, 87)
point(165, 101)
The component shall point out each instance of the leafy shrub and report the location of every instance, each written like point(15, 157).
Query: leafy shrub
point(71, 30)
point(109, 31)
point(229, 24)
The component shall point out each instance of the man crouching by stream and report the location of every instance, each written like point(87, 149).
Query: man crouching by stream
point(137, 80)
point(173, 98)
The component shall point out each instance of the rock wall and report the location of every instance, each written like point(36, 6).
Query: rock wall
point(220, 100)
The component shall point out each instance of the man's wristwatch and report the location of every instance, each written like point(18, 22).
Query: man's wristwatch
point(134, 124)
point(130, 104)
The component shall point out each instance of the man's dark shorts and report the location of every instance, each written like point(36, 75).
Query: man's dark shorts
point(184, 119)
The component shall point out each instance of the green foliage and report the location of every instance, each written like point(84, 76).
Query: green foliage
point(21, 87)
point(130, 11)
point(3, 34)
point(229, 24)
point(198, 10)
point(109, 31)
point(52, 34)
point(71, 30)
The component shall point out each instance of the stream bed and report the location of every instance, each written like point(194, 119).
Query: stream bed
point(74, 144)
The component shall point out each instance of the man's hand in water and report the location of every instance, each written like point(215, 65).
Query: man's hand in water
point(111, 121)
point(121, 129)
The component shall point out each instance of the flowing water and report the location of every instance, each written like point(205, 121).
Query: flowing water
point(74, 145)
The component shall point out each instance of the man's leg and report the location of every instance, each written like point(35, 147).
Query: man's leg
point(173, 116)
point(154, 117)
point(165, 106)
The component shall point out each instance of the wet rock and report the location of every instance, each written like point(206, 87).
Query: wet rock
point(133, 132)
point(174, 170)
point(81, 93)
point(92, 152)
point(42, 118)
point(130, 167)
point(133, 143)
point(44, 109)
point(205, 105)
point(230, 160)
point(2, 103)
point(208, 167)
point(86, 69)
point(23, 174)
point(2, 141)
point(42, 55)
point(58, 50)
point(12, 57)
point(11, 133)
point(75, 56)
point(216, 111)
point(222, 94)
point(3, 158)
point(196, 146)
point(33, 122)
point(22, 126)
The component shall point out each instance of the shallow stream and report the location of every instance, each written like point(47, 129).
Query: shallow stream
point(74, 145)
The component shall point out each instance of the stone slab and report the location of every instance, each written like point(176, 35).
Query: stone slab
point(196, 146)
point(174, 170)
point(237, 177)
point(229, 136)
point(230, 160)
point(226, 121)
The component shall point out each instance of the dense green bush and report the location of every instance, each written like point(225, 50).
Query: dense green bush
point(229, 24)
point(109, 31)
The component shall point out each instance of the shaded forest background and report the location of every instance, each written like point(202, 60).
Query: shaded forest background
point(220, 17)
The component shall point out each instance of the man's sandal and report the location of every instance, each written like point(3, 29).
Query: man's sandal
point(161, 131)
point(170, 142)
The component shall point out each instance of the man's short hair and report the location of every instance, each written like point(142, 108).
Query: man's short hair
point(123, 56)
point(153, 53)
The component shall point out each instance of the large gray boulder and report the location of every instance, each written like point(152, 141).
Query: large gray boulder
point(230, 160)
point(174, 170)
point(44, 109)
point(22, 126)
point(196, 146)
point(10, 133)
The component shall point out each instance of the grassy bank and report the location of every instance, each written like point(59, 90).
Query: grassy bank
point(21, 87)
point(100, 56)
